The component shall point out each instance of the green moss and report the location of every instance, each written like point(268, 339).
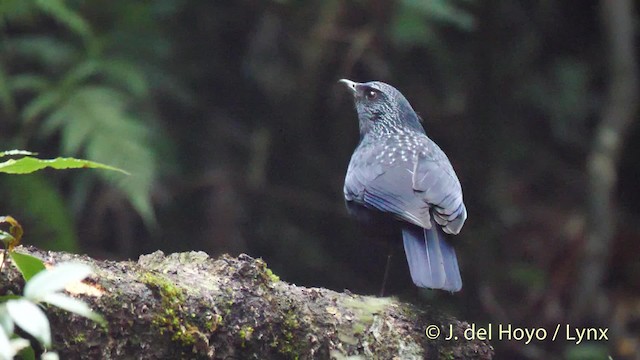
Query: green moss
point(447, 355)
point(272, 277)
point(213, 321)
point(78, 339)
point(358, 328)
point(285, 342)
point(365, 309)
point(172, 318)
point(245, 334)
point(266, 275)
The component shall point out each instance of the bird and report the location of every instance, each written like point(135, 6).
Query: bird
point(397, 172)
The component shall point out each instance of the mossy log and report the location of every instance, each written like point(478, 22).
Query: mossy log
point(190, 306)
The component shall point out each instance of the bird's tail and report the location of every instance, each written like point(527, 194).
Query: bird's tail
point(432, 260)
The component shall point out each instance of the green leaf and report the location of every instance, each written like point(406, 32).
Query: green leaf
point(15, 10)
point(125, 74)
point(6, 323)
point(73, 305)
point(79, 74)
point(30, 318)
point(6, 352)
point(50, 355)
point(416, 21)
point(410, 28)
point(51, 52)
point(6, 95)
point(5, 298)
point(55, 279)
point(13, 237)
point(23, 349)
point(29, 82)
point(445, 11)
point(28, 265)
point(27, 353)
point(16, 152)
point(10, 346)
point(28, 164)
point(40, 105)
point(7, 239)
point(95, 118)
point(60, 12)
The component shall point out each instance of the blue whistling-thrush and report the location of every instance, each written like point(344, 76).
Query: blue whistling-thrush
point(397, 170)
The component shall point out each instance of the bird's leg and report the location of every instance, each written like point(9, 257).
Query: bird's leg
point(386, 269)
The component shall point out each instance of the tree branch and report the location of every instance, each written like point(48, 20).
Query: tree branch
point(617, 116)
point(187, 305)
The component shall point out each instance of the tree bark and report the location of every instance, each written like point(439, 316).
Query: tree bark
point(189, 306)
point(618, 114)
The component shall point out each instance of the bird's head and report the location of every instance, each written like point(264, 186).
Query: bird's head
point(382, 108)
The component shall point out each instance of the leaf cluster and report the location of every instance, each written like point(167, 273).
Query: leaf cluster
point(43, 286)
point(72, 85)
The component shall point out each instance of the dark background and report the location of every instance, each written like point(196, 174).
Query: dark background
point(229, 117)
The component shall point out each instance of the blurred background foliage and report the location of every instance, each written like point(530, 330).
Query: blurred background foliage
point(229, 117)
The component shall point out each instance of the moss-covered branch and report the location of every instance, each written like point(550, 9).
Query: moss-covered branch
point(188, 305)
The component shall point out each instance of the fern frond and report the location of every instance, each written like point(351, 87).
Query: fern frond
point(15, 10)
point(127, 74)
point(51, 53)
point(6, 95)
point(79, 74)
point(416, 21)
point(59, 11)
point(28, 83)
point(94, 119)
point(40, 105)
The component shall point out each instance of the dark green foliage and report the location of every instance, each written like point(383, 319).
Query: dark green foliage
point(75, 85)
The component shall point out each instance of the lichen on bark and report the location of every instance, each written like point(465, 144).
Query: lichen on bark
point(187, 305)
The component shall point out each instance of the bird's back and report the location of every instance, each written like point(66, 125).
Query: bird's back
point(382, 173)
point(397, 171)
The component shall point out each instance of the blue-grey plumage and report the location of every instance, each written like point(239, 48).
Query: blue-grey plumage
point(397, 169)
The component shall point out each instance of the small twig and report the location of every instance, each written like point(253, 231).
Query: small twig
point(386, 270)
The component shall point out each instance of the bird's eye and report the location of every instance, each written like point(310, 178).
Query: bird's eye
point(371, 94)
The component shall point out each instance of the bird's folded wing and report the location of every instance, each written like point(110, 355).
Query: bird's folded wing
point(357, 177)
point(434, 177)
point(392, 192)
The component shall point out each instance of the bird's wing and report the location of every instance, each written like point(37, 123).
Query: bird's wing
point(434, 177)
point(409, 189)
point(362, 170)
point(371, 184)
point(391, 192)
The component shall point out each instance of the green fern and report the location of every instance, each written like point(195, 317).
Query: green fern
point(415, 20)
point(46, 54)
point(98, 103)
point(15, 10)
point(94, 121)
point(6, 93)
point(59, 11)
